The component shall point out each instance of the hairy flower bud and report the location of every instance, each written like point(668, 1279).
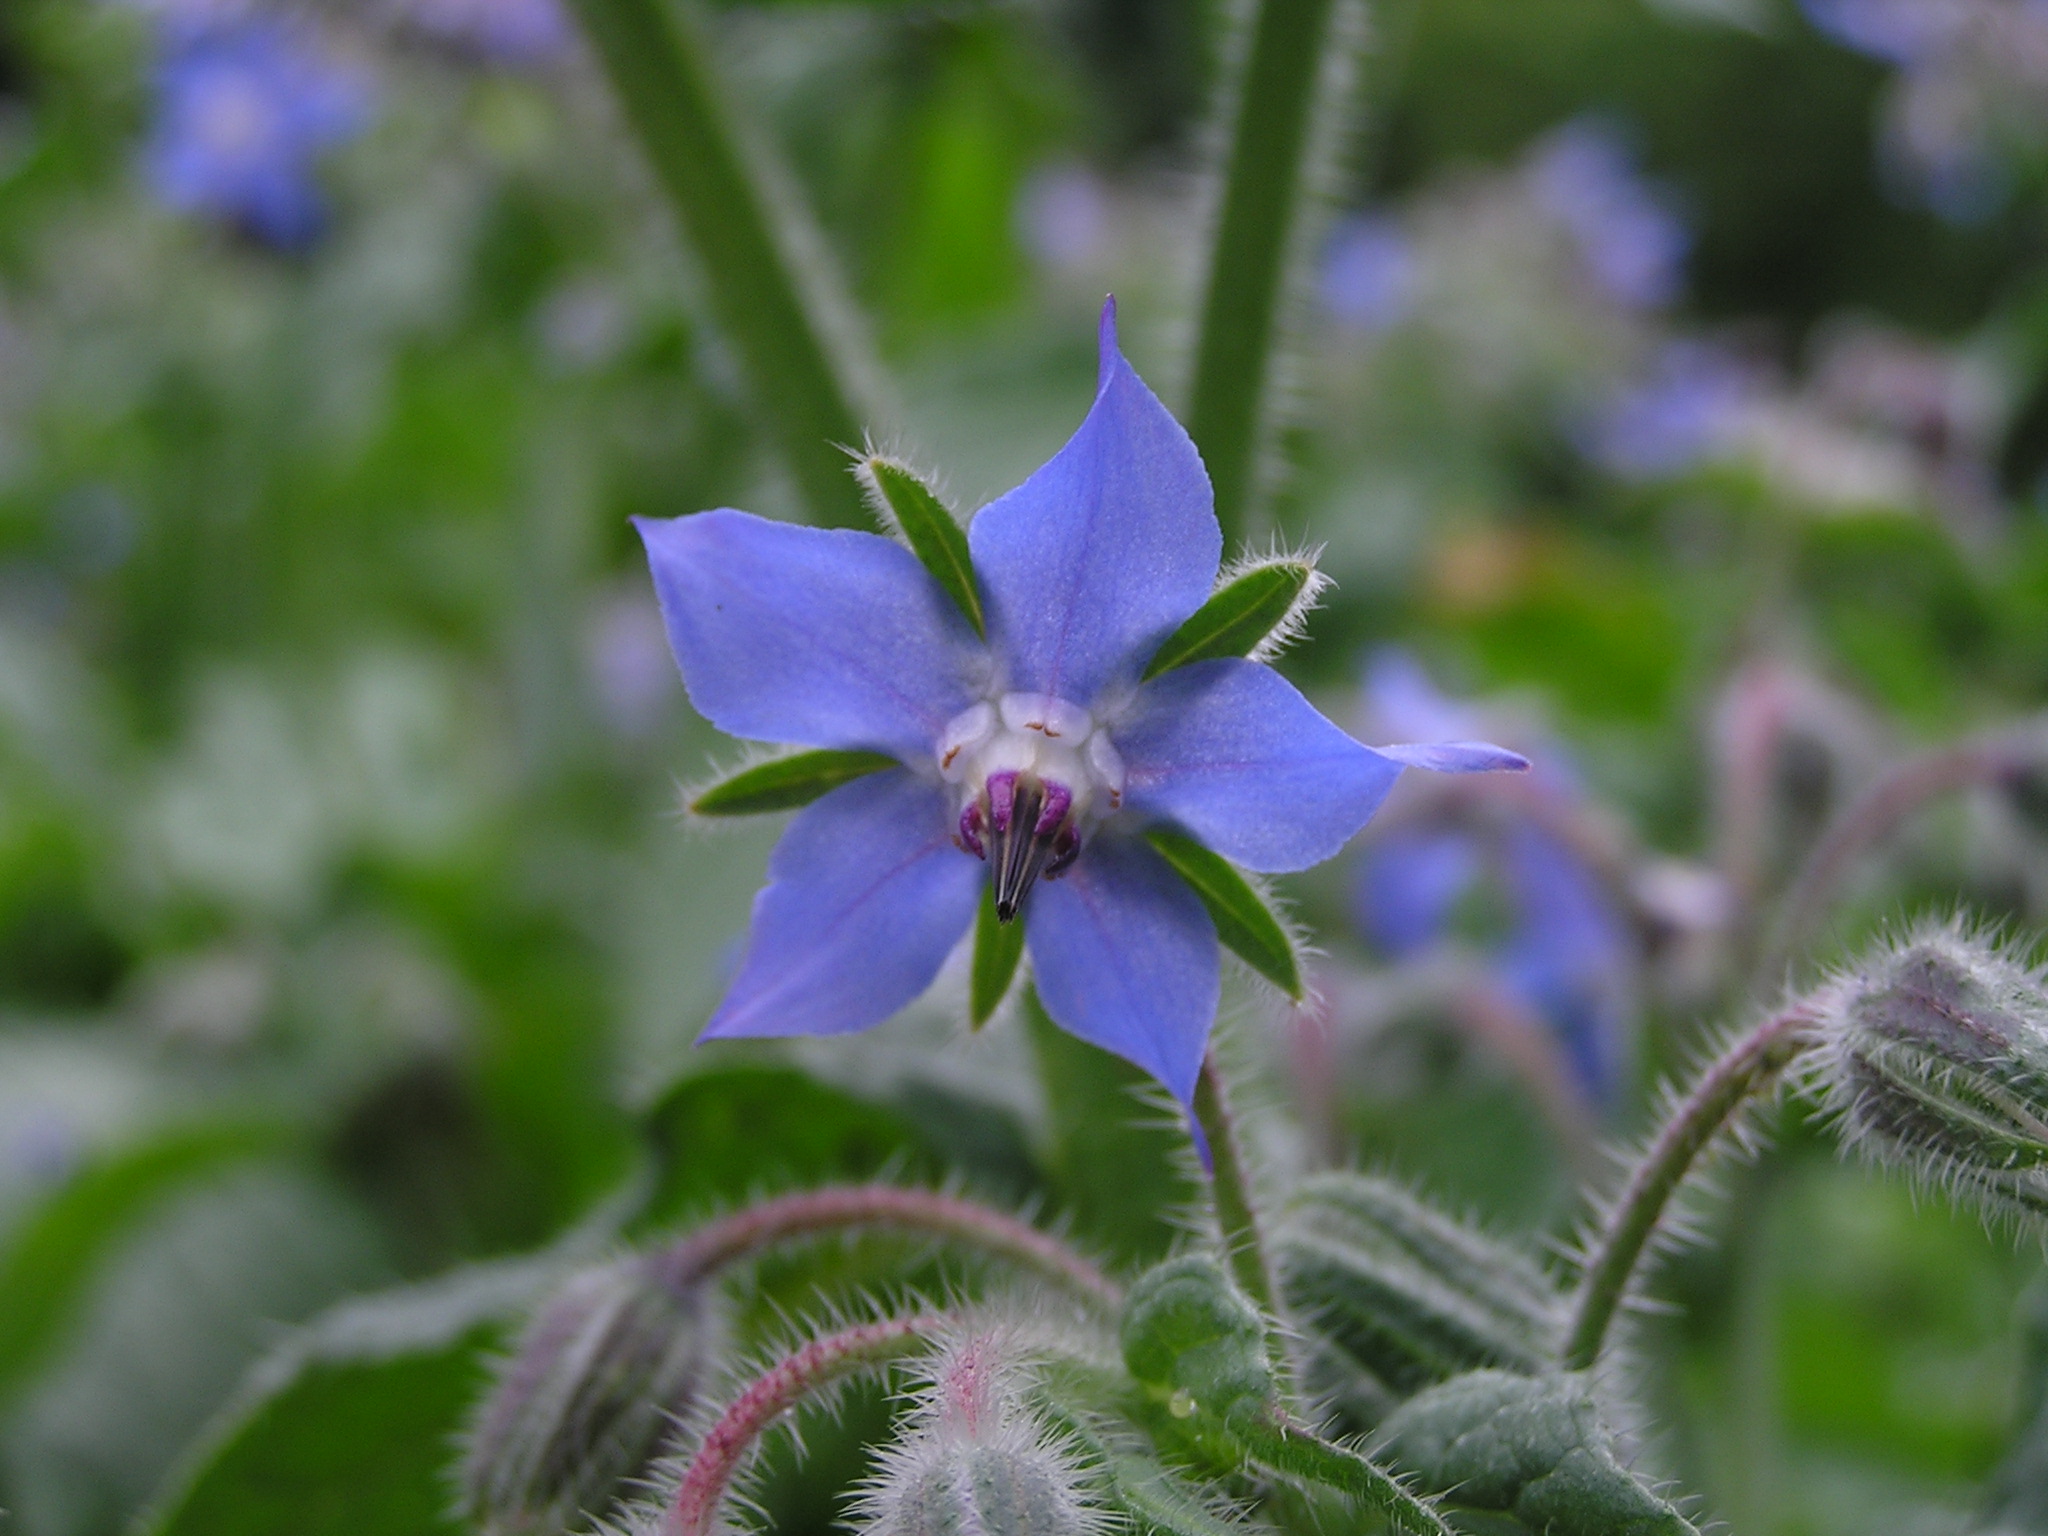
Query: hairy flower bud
point(1933, 1057)
point(974, 1462)
point(582, 1405)
point(1192, 1337)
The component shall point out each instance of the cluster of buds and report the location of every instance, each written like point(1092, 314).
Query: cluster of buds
point(585, 1401)
point(974, 1460)
point(1932, 1054)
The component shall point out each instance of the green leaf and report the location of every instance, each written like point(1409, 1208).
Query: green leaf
point(52, 1252)
point(1114, 1159)
point(723, 1137)
point(1246, 926)
point(997, 948)
point(785, 783)
point(1295, 1453)
point(348, 1428)
point(1527, 1446)
point(909, 506)
point(1236, 619)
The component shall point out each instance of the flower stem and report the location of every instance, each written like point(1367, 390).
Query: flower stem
point(1877, 812)
point(1236, 1216)
point(1276, 91)
point(1742, 1071)
point(730, 1238)
point(767, 301)
point(815, 1366)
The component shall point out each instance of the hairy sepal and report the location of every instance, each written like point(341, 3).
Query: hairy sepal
point(1260, 604)
point(1532, 1447)
point(1403, 1295)
point(1246, 922)
point(912, 510)
point(785, 782)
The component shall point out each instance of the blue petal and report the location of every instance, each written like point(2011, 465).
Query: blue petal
point(811, 636)
point(1408, 883)
point(1100, 555)
point(866, 897)
point(1568, 958)
point(1124, 956)
point(1230, 751)
point(1456, 757)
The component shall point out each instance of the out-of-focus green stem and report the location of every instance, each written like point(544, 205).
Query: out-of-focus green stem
point(654, 54)
point(1236, 1217)
point(1269, 145)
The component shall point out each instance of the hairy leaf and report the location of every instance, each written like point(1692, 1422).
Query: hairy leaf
point(1528, 1446)
point(932, 532)
point(1245, 924)
point(786, 783)
point(1238, 618)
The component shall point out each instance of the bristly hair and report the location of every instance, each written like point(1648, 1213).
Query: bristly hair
point(1980, 1065)
point(1294, 623)
point(892, 455)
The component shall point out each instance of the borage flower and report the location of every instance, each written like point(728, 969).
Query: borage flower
point(1052, 717)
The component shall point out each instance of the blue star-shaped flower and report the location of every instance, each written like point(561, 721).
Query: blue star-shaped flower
point(1033, 760)
point(243, 109)
point(1566, 953)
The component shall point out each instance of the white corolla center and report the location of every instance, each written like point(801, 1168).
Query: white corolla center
point(1034, 772)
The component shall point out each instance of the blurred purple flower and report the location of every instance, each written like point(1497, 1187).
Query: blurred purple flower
point(626, 652)
point(515, 31)
point(1689, 407)
point(1565, 956)
point(1629, 237)
point(1902, 32)
point(1040, 754)
point(243, 110)
point(1063, 217)
point(1367, 277)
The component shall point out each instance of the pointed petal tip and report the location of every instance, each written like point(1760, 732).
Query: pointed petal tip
point(1108, 354)
point(1456, 757)
point(1201, 1141)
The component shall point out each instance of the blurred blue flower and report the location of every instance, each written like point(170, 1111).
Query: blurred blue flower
point(1367, 276)
point(243, 111)
point(515, 31)
point(1902, 32)
point(1626, 232)
point(1040, 753)
point(1686, 410)
point(1064, 218)
point(1565, 954)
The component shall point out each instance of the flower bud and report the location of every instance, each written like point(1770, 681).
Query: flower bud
point(584, 1402)
point(974, 1462)
point(1933, 1057)
point(1192, 1337)
point(1402, 1296)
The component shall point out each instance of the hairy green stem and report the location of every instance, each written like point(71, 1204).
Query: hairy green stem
point(1276, 92)
point(1745, 1069)
point(718, 1243)
point(804, 1373)
point(1236, 1216)
point(655, 57)
point(1297, 1451)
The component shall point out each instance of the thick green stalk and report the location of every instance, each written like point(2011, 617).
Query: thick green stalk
point(1748, 1067)
point(1236, 1216)
point(1276, 95)
point(655, 56)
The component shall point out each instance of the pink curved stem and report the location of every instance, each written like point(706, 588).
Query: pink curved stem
point(745, 1232)
point(811, 1368)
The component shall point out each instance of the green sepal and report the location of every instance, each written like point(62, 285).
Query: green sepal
point(934, 535)
point(998, 946)
point(1245, 924)
point(1530, 1447)
point(785, 783)
point(1237, 618)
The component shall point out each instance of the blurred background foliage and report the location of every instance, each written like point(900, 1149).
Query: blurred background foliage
point(1671, 376)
